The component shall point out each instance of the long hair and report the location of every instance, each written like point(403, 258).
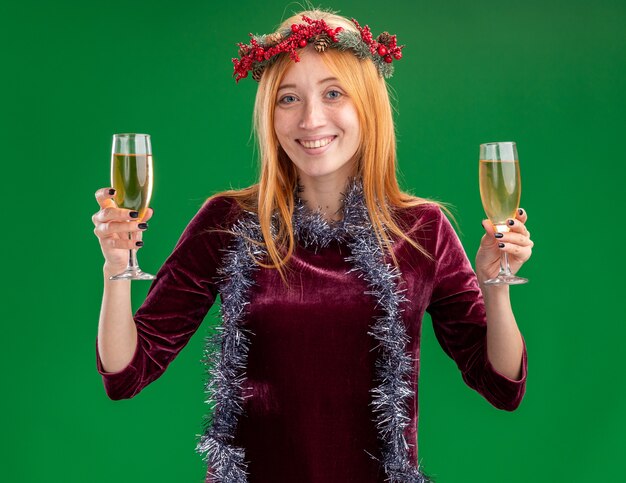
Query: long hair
point(376, 156)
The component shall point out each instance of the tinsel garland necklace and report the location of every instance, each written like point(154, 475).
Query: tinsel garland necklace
point(227, 350)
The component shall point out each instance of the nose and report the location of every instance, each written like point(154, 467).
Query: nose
point(312, 115)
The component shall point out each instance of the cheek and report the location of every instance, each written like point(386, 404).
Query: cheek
point(354, 134)
point(281, 124)
point(350, 119)
point(352, 126)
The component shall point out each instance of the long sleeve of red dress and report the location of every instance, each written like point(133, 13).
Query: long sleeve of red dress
point(459, 321)
point(311, 360)
point(176, 304)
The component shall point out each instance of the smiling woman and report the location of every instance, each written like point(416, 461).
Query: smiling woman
point(360, 105)
point(313, 374)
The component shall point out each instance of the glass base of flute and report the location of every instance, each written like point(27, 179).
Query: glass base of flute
point(133, 272)
point(505, 277)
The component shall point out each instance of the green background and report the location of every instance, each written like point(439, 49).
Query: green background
point(547, 74)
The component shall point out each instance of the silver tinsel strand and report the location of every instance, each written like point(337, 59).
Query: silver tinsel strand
point(226, 356)
point(226, 351)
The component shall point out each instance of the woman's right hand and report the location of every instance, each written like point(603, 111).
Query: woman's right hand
point(112, 225)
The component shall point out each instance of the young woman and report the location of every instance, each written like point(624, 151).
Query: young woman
point(325, 269)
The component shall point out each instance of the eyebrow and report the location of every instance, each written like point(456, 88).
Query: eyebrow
point(285, 86)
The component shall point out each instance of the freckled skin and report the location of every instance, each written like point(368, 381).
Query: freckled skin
point(312, 109)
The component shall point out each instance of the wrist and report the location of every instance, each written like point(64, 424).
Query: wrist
point(109, 270)
point(482, 278)
point(494, 291)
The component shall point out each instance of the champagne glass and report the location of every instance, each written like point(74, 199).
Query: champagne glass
point(131, 176)
point(500, 192)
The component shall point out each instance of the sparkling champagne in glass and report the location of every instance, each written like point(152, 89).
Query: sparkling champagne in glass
point(131, 176)
point(500, 191)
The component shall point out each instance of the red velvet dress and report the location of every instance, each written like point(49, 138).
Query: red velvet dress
point(308, 417)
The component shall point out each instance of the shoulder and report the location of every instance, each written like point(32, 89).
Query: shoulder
point(218, 211)
point(210, 224)
point(428, 225)
point(226, 207)
point(421, 218)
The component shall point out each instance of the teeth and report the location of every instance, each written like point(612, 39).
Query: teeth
point(316, 144)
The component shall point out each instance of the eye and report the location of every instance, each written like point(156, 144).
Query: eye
point(287, 100)
point(334, 94)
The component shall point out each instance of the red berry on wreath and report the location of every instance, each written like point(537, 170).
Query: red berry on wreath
point(388, 59)
point(295, 27)
point(398, 54)
point(382, 50)
point(303, 43)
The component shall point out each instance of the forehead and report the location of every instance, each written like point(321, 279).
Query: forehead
point(311, 70)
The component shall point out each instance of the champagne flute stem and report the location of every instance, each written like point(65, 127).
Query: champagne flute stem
point(506, 269)
point(502, 262)
point(132, 256)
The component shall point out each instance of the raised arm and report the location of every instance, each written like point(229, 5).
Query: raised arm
point(459, 318)
point(504, 341)
point(117, 334)
point(175, 306)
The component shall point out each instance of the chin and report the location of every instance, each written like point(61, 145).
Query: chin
point(323, 173)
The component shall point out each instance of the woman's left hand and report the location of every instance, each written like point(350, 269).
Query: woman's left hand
point(516, 243)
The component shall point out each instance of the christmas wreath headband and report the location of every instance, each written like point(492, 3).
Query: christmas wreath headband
point(263, 50)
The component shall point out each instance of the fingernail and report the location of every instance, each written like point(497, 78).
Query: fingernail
point(520, 211)
point(134, 214)
point(498, 235)
point(501, 245)
point(111, 191)
point(139, 243)
point(142, 226)
point(511, 222)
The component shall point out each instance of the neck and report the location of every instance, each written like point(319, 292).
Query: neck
point(312, 229)
point(325, 196)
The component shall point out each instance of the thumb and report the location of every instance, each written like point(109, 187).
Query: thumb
point(490, 231)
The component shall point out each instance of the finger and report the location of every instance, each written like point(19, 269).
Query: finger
point(516, 226)
point(519, 252)
point(114, 214)
point(521, 215)
point(122, 243)
point(104, 197)
point(148, 215)
point(107, 229)
point(514, 238)
point(487, 225)
point(136, 236)
point(488, 240)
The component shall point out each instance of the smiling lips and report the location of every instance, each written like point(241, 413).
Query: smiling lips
point(318, 143)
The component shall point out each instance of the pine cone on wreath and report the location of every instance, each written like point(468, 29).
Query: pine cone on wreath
point(257, 72)
point(273, 39)
point(322, 41)
point(384, 38)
